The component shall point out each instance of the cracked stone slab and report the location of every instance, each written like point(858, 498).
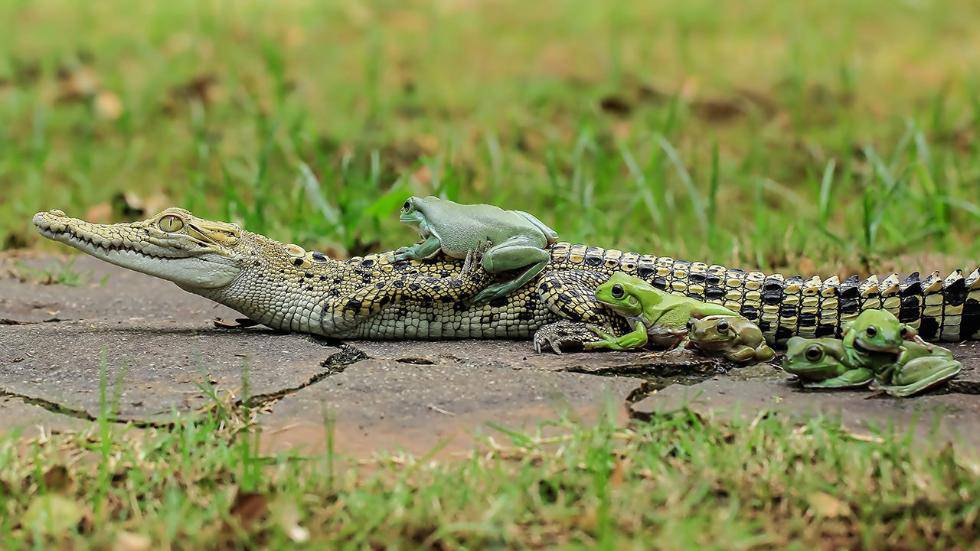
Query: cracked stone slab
point(950, 416)
point(104, 292)
point(386, 404)
point(968, 380)
point(521, 355)
point(33, 420)
point(154, 367)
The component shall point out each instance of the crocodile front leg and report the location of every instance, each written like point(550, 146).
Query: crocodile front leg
point(571, 295)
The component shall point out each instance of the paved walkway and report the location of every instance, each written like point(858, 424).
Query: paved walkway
point(162, 355)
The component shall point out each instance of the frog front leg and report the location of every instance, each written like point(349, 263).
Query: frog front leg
point(425, 249)
point(512, 254)
point(921, 374)
point(743, 354)
point(849, 379)
point(637, 338)
point(570, 295)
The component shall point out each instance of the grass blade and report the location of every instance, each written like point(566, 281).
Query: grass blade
point(697, 202)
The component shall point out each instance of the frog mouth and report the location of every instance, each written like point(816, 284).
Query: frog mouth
point(870, 348)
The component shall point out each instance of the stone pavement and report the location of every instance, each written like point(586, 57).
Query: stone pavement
point(160, 354)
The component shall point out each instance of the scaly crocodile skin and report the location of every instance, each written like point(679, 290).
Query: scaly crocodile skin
point(288, 288)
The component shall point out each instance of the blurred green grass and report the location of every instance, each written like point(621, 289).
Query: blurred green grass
point(815, 137)
point(675, 482)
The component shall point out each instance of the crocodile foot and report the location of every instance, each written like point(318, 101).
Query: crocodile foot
point(563, 336)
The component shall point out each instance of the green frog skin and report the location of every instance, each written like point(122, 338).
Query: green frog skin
point(822, 363)
point(654, 315)
point(507, 239)
point(874, 340)
point(733, 337)
point(919, 368)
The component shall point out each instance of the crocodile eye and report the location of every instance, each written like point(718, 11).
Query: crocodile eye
point(170, 223)
point(722, 326)
point(618, 291)
point(814, 353)
point(871, 330)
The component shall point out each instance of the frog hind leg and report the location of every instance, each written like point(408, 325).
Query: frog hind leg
point(763, 353)
point(742, 354)
point(549, 234)
point(920, 375)
point(849, 379)
point(513, 254)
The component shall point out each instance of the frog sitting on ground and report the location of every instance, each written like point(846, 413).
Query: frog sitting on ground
point(876, 346)
point(822, 363)
point(919, 367)
point(874, 340)
point(734, 337)
point(656, 316)
point(512, 239)
point(871, 342)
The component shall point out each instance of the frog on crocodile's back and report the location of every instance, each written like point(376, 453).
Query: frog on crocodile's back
point(734, 337)
point(508, 239)
point(822, 363)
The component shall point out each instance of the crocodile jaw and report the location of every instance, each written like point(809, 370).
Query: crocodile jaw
point(134, 246)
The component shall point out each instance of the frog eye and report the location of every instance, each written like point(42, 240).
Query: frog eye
point(814, 353)
point(871, 330)
point(690, 325)
point(170, 223)
point(618, 291)
point(407, 206)
point(722, 326)
point(905, 331)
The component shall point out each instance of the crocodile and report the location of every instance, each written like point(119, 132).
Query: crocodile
point(287, 288)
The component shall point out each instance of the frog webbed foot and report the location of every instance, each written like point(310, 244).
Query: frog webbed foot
point(564, 336)
point(402, 253)
point(426, 249)
point(488, 294)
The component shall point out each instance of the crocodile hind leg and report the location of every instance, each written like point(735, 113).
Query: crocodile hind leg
point(571, 296)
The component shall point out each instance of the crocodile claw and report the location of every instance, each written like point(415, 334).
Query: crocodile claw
point(563, 336)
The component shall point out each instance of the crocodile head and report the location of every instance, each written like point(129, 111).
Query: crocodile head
point(174, 245)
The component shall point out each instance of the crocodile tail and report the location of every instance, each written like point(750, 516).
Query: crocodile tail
point(941, 309)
